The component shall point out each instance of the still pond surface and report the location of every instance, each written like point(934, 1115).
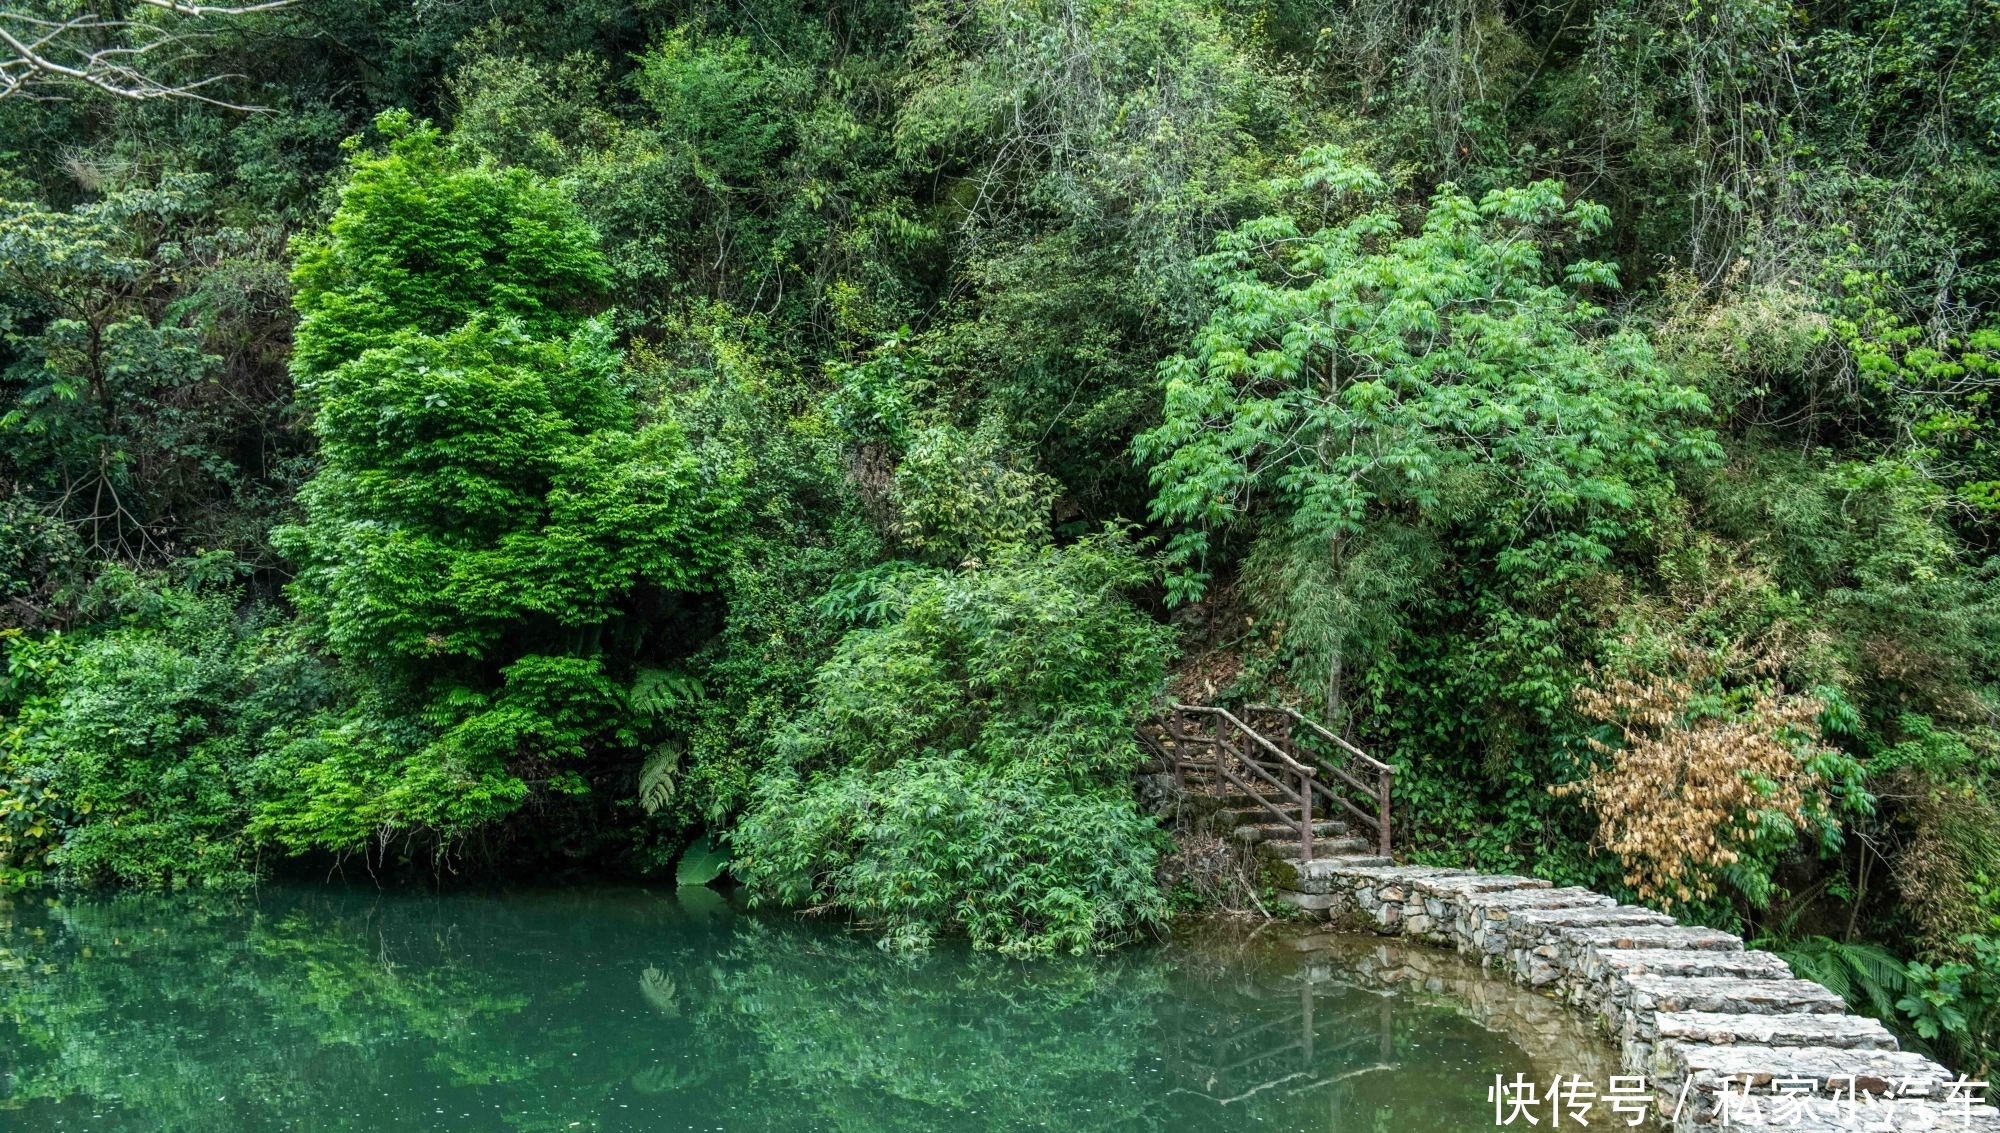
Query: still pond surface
point(628, 1009)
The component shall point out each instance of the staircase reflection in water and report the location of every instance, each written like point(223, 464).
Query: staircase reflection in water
point(1350, 1026)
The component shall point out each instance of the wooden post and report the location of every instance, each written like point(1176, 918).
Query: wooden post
point(1382, 809)
point(1305, 817)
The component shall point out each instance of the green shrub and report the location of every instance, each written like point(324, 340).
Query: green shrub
point(963, 766)
point(135, 747)
point(1016, 860)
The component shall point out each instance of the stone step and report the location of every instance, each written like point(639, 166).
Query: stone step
point(1879, 1083)
point(1650, 937)
point(1436, 904)
point(1234, 815)
point(1760, 1069)
point(1310, 902)
point(1684, 963)
point(1636, 1000)
point(1598, 967)
point(1499, 906)
point(1346, 846)
point(1269, 831)
point(1246, 809)
point(1326, 867)
point(1223, 787)
point(1536, 954)
point(1467, 884)
point(1655, 1052)
point(1235, 802)
point(1847, 1032)
point(1532, 924)
point(1319, 875)
point(1398, 874)
point(1371, 884)
point(1483, 919)
point(1533, 931)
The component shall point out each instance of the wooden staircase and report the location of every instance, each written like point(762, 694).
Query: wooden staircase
point(1278, 781)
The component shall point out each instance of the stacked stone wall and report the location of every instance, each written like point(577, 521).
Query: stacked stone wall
point(1724, 1036)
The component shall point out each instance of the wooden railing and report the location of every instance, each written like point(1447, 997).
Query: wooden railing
point(1262, 770)
point(1284, 777)
point(1347, 765)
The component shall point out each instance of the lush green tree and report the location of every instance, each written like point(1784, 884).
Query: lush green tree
point(117, 416)
point(423, 242)
point(492, 542)
point(1356, 378)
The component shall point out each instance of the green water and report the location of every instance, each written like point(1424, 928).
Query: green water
point(629, 1009)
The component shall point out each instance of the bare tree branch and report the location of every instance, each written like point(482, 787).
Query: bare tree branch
point(216, 9)
point(46, 51)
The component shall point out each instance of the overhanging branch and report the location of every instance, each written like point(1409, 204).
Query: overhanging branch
point(44, 55)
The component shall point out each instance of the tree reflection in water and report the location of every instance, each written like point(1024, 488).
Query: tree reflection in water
point(627, 1009)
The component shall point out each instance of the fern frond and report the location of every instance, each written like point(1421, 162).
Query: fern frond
point(655, 691)
point(1868, 976)
point(1879, 973)
point(1809, 962)
point(656, 778)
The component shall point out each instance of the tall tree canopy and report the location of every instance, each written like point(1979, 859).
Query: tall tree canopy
point(492, 538)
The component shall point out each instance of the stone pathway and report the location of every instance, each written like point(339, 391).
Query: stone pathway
point(1724, 1036)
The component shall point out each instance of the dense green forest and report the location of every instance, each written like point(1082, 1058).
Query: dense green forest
point(457, 439)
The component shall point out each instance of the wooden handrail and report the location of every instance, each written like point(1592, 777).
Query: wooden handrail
point(1276, 811)
point(1290, 795)
point(1302, 796)
point(1309, 722)
point(1258, 757)
point(1385, 775)
point(1283, 756)
point(1360, 815)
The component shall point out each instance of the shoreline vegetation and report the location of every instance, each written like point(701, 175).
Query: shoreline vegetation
point(533, 439)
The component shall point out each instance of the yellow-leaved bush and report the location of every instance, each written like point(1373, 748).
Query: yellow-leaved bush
point(1698, 779)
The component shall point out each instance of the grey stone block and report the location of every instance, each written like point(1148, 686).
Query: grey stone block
point(1310, 902)
point(1597, 971)
point(1699, 1074)
point(1853, 1032)
point(1479, 883)
point(1683, 962)
point(1728, 996)
point(1651, 936)
point(1569, 897)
